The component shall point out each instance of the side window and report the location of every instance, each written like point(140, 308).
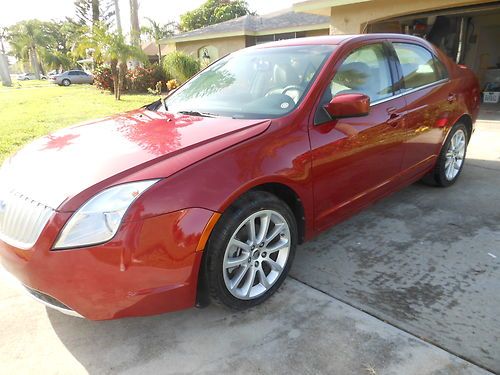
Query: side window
point(73, 73)
point(366, 71)
point(418, 65)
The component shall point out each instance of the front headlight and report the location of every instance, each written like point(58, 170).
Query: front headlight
point(97, 221)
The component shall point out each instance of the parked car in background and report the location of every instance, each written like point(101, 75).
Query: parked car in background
point(206, 194)
point(29, 76)
point(52, 73)
point(72, 77)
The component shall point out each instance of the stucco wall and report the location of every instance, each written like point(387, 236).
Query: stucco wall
point(318, 32)
point(352, 18)
point(223, 45)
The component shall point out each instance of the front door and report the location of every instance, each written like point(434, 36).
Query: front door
point(357, 159)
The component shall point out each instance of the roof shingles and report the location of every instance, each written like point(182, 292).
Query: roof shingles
point(251, 24)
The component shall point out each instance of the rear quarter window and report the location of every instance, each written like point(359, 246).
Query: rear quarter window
point(441, 68)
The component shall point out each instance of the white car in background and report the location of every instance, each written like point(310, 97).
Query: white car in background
point(29, 76)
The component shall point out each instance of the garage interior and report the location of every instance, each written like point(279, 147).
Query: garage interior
point(469, 35)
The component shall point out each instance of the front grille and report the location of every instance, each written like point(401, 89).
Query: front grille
point(21, 219)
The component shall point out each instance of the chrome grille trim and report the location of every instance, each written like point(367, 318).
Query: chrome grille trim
point(21, 219)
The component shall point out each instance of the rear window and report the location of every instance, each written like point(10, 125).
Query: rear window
point(418, 65)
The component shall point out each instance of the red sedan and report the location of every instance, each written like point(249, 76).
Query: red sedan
point(205, 195)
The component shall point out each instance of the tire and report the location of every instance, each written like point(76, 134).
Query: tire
point(453, 151)
point(268, 266)
point(66, 82)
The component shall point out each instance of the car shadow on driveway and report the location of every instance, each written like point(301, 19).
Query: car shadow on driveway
point(298, 331)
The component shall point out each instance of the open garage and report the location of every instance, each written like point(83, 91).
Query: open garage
point(467, 31)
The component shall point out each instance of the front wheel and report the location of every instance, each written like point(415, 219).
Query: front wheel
point(66, 82)
point(251, 250)
point(451, 158)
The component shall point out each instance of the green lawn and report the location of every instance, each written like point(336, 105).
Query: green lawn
point(32, 109)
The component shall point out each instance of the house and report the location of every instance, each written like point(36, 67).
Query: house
point(467, 30)
point(211, 42)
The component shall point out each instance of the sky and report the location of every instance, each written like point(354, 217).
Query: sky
point(159, 10)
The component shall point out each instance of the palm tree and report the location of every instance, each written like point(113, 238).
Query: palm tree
point(158, 32)
point(116, 51)
point(27, 37)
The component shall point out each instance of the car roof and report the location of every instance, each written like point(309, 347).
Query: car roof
point(337, 40)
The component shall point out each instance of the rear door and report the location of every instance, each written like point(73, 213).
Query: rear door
point(429, 100)
point(357, 159)
point(86, 78)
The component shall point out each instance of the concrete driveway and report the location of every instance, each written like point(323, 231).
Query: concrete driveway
point(420, 264)
point(426, 260)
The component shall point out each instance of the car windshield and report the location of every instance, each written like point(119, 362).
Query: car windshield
point(253, 83)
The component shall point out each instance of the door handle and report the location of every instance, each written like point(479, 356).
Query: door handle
point(394, 116)
point(394, 119)
point(452, 97)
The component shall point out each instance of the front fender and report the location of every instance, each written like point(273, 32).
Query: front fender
point(280, 155)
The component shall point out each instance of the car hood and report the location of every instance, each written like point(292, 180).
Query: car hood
point(59, 166)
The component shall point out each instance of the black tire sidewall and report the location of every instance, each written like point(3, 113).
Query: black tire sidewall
point(222, 233)
point(66, 82)
point(440, 171)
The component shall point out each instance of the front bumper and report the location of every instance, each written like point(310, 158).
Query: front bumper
point(150, 267)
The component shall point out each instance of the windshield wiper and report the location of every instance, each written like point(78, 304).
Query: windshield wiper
point(198, 113)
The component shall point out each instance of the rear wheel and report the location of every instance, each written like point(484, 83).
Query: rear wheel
point(251, 250)
point(451, 158)
point(66, 82)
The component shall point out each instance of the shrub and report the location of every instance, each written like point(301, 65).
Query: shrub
point(103, 79)
point(180, 66)
point(172, 84)
point(144, 79)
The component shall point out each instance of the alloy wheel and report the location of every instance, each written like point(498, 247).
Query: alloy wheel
point(455, 155)
point(256, 254)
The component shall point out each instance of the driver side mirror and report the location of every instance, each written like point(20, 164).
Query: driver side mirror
point(348, 105)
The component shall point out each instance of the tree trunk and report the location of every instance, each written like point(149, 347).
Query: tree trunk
point(119, 85)
point(114, 74)
point(135, 32)
point(118, 17)
point(95, 12)
point(34, 62)
point(159, 54)
point(122, 71)
point(4, 70)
